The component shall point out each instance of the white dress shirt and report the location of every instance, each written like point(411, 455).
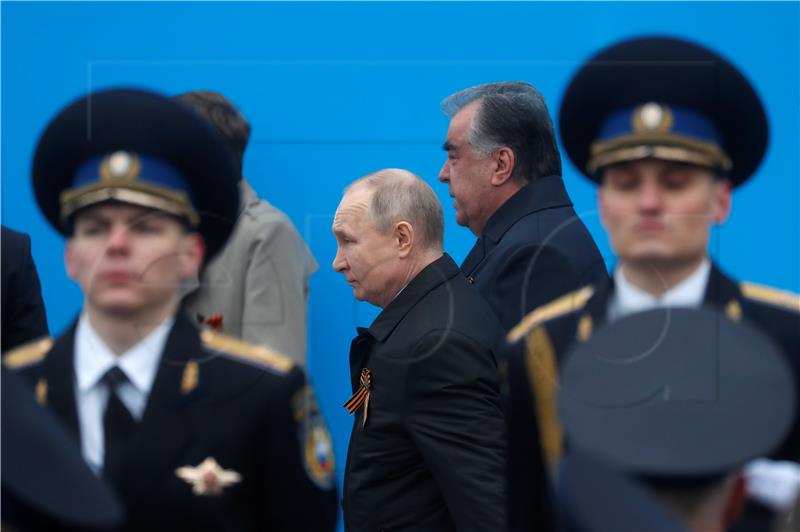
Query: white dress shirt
point(628, 299)
point(92, 360)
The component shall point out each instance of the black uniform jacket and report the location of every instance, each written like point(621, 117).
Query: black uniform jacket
point(548, 332)
point(533, 249)
point(431, 455)
point(246, 407)
point(23, 316)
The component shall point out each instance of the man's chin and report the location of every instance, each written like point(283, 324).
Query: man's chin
point(121, 308)
point(358, 295)
point(655, 256)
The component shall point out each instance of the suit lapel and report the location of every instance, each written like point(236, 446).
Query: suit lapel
point(721, 289)
point(165, 430)
point(474, 258)
point(597, 305)
point(60, 374)
point(360, 348)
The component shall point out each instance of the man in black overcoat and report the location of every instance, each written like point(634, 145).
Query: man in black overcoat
point(427, 449)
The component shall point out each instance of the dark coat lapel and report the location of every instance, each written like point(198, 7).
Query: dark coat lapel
point(597, 305)
point(360, 348)
point(721, 289)
point(474, 257)
point(544, 193)
point(60, 374)
point(165, 430)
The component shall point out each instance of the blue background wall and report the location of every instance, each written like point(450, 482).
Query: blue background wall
point(335, 91)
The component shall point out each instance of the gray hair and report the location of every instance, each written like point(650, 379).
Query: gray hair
point(512, 114)
point(398, 195)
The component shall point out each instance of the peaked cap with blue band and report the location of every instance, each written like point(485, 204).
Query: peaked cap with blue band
point(141, 148)
point(663, 98)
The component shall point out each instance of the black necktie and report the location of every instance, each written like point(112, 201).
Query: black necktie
point(118, 423)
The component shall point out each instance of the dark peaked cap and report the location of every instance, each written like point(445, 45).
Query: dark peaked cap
point(671, 72)
point(45, 480)
point(676, 394)
point(178, 150)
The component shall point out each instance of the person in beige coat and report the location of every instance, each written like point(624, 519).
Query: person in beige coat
point(257, 288)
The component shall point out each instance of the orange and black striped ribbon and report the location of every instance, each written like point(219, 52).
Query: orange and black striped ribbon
point(361, 397)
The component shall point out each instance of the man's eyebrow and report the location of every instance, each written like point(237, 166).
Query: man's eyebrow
point(93, 217)
point(447, 146)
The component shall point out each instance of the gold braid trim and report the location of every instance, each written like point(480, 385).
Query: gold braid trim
point(773, 296)
point(28, 354)
point(540, 361)
point(246, 351)
point(558, 307)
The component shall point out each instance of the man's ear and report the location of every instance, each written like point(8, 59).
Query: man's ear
point(69, 261)
point(504, 161)
point(735, 502)
point(191, 256)
point(404, 236)
point(723, 200)
point(601, 208)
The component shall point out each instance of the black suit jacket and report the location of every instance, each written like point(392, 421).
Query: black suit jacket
point(257, 419)
point(533, 249)
point(431, 456)
point(532, 421)
point(22, 309)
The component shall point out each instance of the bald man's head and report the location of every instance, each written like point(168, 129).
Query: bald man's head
point(399, 195)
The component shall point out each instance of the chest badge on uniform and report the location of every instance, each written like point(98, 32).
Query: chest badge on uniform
point(361, 397)
point(208, 478)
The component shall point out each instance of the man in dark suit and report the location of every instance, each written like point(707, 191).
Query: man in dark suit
point(504, 171)
point(194, 430)
point(23, 315)
point(427, 449)
point(667, 129)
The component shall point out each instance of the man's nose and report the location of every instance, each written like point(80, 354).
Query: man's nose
point(651, 197)
point(444, 173)
point(338, 261)
point(119, 239)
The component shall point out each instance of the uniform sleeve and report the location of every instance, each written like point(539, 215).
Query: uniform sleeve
point(454, 417)
point(275, 291)
point(24, 317)
point(529, 496)
point(527, 278)
point(300, 476)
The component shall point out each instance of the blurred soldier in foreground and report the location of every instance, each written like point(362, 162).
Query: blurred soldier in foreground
point(195, 431)
point(46, 483)
point(667, 129)
point(427, 448)
point(256, 288)
point(676, 402)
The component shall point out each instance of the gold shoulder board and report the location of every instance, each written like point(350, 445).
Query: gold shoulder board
point(773, 296)
point(240, 349)
point(558, 307)
point(28, 354)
